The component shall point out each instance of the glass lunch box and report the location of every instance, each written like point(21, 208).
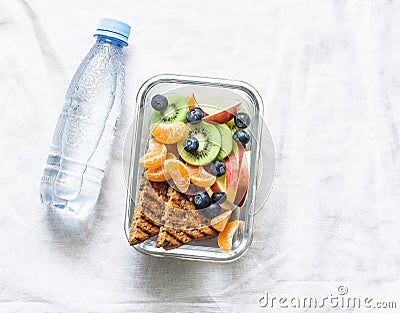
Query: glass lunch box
point(212, 95)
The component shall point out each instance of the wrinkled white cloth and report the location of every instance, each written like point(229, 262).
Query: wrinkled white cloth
point(329, 74)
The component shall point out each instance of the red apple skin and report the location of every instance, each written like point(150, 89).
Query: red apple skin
point(233, 165)
point(219, 186)
point(232, 176)
point(241, 149)
point(243, 183)
point(223, 116)
point(216, 188)
point(243, 199)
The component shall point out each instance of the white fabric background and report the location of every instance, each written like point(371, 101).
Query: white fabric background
point(329, 73)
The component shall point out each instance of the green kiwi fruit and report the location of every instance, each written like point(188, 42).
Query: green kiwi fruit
point(176, 111)
point(226, 141)
point(209, 144)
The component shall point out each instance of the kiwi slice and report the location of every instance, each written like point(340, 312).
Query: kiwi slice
point(176, 111)
point(226, 141)
point(209, 144)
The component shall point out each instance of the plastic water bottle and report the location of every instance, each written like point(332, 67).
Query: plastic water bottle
point(86, 127)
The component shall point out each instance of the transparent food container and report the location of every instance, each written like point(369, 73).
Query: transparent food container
point(213, 95)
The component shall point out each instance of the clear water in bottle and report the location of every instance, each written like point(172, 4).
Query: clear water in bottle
point(86, 127)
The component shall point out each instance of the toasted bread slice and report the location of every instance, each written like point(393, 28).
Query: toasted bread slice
point(149, 211)
point(182, 223)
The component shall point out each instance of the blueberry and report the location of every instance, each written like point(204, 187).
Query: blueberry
point(242, 120)
point(201, 200)
point(212, 211)
point(159, 102)
point(218, 197)
point(194, 115)
point(217, 168)
point(240, 136)
point(191, 144)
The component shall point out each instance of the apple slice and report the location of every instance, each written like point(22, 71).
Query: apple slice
point(220, 115)
point(219, 185)
point(243, 182)
point(231, 176)
point(243, 199)
point(233, 164)
point(237, 169)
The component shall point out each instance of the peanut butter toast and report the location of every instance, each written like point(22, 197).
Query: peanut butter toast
point(149, 211)
point(182, 223)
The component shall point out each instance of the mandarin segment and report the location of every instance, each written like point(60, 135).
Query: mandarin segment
point(154, 156)
point(168, 133)
point(200, 177)
point(226, 236)
point(219, 222)
point(179, 173)
point(156, 175)
point(192, 101)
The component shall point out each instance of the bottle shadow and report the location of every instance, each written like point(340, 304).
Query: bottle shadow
point(71, 235)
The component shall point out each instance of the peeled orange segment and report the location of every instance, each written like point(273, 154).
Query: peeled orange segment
point(219, 222)
point(154, 156)
point(156, 175)
point(179, 173)
point(192, 101)
point(168, 133)
point(226, 236)
point(200, 177)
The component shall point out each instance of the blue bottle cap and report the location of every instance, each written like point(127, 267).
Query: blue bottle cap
point(113, 28)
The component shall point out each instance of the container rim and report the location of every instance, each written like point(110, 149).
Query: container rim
point(249, 89)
